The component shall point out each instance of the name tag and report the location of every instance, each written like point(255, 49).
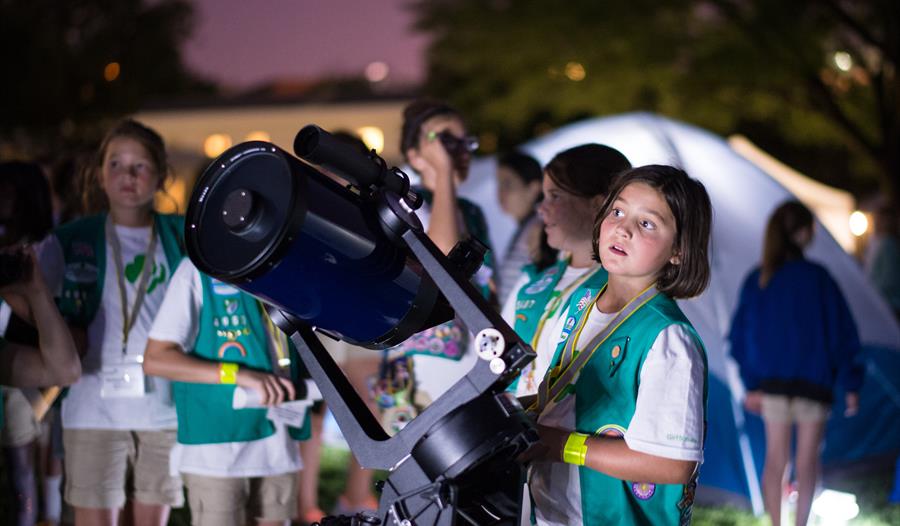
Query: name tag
point(122, 381)
point(291, 413)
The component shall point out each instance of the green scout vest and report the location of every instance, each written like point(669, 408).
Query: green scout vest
point(540, 295)
point(83, 243)
point(605, 399)
point(232, 329)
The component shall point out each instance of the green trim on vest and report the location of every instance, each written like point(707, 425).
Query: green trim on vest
point(232, 329)
point(605, 399)
point(83, 243)
point(539, 291)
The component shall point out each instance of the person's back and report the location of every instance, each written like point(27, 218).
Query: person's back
point(795, 340)
point(802, 309)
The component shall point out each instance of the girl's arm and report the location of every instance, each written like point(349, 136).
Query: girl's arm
point(443, 228)
point(437, 168)
point(613, 457)
point(55, 361)
point(168, 360)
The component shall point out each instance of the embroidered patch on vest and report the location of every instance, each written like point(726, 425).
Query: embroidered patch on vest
point(567, 329)
point(223, 289)
point(227, 346)
point(686, 504)
point(79, 272)
point(611, 430)
point(542, 284)
point(643, 490)
point(82, 249)
point(615, 352)
point(584, 301)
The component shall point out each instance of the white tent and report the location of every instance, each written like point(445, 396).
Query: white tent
point(743, 197)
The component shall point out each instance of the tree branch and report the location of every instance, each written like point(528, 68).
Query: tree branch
point(861, 30)
point(821, 92)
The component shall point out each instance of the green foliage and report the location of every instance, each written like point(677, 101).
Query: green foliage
point(765, 68)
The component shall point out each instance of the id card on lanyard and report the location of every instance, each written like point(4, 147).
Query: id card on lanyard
point(125, 379)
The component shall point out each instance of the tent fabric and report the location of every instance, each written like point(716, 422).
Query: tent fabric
point(743, 197)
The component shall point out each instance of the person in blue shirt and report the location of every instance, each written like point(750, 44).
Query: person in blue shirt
point(795, 340)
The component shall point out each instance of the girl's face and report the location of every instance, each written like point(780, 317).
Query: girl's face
point(515, 195)
point(128, 174)
point(568, 218)
point(637, 237)
point(431, 156)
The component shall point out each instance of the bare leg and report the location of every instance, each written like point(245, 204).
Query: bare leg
point(809, 442)
point(358, 489)
point(778, 451)
point(308, 483)
point(149, 514)
point(20, 470)
point(96, 516)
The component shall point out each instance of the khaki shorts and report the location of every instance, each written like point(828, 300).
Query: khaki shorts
point(105, 466)
point(20, 427)
point(222, 501)
point(779, 408)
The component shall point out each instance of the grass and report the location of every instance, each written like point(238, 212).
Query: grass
point(871, 490)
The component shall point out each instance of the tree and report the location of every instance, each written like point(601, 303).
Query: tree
point(69, 67)
point(813, 81)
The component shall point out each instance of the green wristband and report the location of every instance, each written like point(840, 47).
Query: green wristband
point(575, 450)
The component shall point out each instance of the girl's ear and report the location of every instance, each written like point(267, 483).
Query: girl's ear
point(676, 258)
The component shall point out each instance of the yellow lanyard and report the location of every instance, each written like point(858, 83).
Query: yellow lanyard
point(279, 342)
point(141, 290)
point(571, 362)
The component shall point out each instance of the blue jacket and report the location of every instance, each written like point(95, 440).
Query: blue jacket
point(796, 336)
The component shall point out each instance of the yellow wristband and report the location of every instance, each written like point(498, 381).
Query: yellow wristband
point(575, 450)
point(228, 373)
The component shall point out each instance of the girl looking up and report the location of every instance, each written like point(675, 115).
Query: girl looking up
point(621, 411)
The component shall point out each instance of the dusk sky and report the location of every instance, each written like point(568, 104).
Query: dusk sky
point(240, 43)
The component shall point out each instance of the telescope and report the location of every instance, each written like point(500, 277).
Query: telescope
point(353, 262)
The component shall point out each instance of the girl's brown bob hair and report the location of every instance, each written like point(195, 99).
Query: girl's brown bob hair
point(690, 205)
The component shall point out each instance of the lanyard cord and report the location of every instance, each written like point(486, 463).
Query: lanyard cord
point(279, 344)
point(570, 364)
point(141, 290)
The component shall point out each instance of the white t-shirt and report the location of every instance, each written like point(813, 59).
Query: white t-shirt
point(178, 321)
point(83, 407)
point(667, 421)
point(551, 333)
